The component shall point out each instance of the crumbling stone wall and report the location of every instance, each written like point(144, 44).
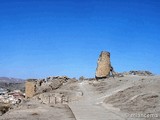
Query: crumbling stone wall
point(103, 65)
point(30, 88)
point(34, 86)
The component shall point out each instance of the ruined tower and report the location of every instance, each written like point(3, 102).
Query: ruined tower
point(30, 88)
point(103, 65)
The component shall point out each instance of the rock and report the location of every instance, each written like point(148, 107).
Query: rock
point(119, 75)
point(4, 108)
point(62, 78)
point(81, 78)
point(139, 72)
point(56, 84)
point(103, 65)
point(44, 88)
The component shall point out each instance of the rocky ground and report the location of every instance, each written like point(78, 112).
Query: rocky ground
point(131, 97)
point(138, 97)
point(33, 110)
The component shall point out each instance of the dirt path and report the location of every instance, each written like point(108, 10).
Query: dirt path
point(88, 108)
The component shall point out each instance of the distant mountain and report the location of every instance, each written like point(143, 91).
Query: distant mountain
point(12, 83)
point(11, 80)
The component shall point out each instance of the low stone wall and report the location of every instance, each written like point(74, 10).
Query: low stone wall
point(51, 98)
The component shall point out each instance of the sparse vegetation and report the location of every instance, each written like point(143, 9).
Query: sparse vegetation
point(4, 108)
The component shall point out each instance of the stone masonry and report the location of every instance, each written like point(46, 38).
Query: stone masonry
point(103, 66)
point(30, 88)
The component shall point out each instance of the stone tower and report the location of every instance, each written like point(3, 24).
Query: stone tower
point(103, 65)
point(30, 88)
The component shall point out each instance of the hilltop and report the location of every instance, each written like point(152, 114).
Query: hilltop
point(131, 97)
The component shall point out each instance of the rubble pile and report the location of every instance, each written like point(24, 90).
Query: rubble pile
point(36, 86)
point(140, 73)
point(47, 90)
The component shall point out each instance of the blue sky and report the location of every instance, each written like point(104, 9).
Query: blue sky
point(41, 38)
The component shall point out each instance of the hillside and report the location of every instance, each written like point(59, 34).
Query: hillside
point(131, 97)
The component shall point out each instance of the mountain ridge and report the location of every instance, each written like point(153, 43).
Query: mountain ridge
point(11, 80)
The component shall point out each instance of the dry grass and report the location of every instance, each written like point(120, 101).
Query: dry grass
point(4, 108)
